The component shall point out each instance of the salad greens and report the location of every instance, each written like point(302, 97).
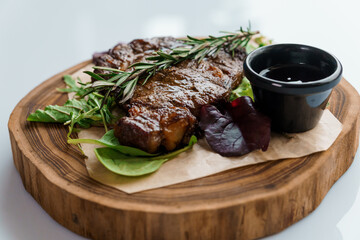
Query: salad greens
point(237, 129)
point(244, 89)
point(257, 42)
point(72, 87)
point(84, 112)
point(110, 141)
point(126, 165)
point(128, 161)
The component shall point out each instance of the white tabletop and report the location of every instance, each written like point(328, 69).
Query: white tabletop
point(40, 38)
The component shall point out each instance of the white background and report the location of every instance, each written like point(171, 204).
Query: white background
point(41, 38)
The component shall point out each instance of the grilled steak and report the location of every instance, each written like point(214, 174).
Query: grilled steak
point(163, 112)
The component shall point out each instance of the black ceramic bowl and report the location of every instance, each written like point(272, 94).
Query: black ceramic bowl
point(293, 106)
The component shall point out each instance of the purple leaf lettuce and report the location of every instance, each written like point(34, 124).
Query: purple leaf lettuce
point(238, 131)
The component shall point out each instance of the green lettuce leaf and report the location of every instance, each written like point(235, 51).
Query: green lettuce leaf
point(257, 42)
point(84, 113)
point(133, 166)
point(244, 89)
point(109, 140)
point(62, 114)
point(52, 113)
point(72, 87)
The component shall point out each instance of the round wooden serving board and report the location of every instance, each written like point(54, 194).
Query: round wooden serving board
point(244, 203)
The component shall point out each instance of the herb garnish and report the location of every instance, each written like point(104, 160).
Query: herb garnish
point(85, 112)
point(122, 84)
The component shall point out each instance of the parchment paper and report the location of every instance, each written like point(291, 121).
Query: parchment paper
point(201, 161)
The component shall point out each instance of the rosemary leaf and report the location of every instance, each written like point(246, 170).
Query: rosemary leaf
point(122, 85)
point(94, 75)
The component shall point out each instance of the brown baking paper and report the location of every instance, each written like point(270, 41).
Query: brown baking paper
point(201, 161)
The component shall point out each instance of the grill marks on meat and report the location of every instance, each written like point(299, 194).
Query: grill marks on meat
point(163, 112)
point(149, 128)
point(125, 54)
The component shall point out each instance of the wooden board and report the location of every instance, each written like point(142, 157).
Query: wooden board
point(244, 203)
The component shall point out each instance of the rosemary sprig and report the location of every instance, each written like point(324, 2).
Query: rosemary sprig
point(122, 84)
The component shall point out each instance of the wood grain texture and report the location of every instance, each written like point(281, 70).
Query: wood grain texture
point(244, 203)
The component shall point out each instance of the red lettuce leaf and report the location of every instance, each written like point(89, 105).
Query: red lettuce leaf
point(239, 130)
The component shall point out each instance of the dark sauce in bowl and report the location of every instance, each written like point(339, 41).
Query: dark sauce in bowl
point(293, 73)
point(292, 84)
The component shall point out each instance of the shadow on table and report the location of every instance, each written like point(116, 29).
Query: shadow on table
point(22, 217)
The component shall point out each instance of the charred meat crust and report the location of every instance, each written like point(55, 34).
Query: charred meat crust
point(162, 113)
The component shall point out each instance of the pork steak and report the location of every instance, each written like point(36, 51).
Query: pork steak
point(163, 113)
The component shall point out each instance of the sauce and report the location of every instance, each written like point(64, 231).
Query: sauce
point(293, 73)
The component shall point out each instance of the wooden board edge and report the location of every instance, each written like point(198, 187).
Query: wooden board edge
point(355, 110)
